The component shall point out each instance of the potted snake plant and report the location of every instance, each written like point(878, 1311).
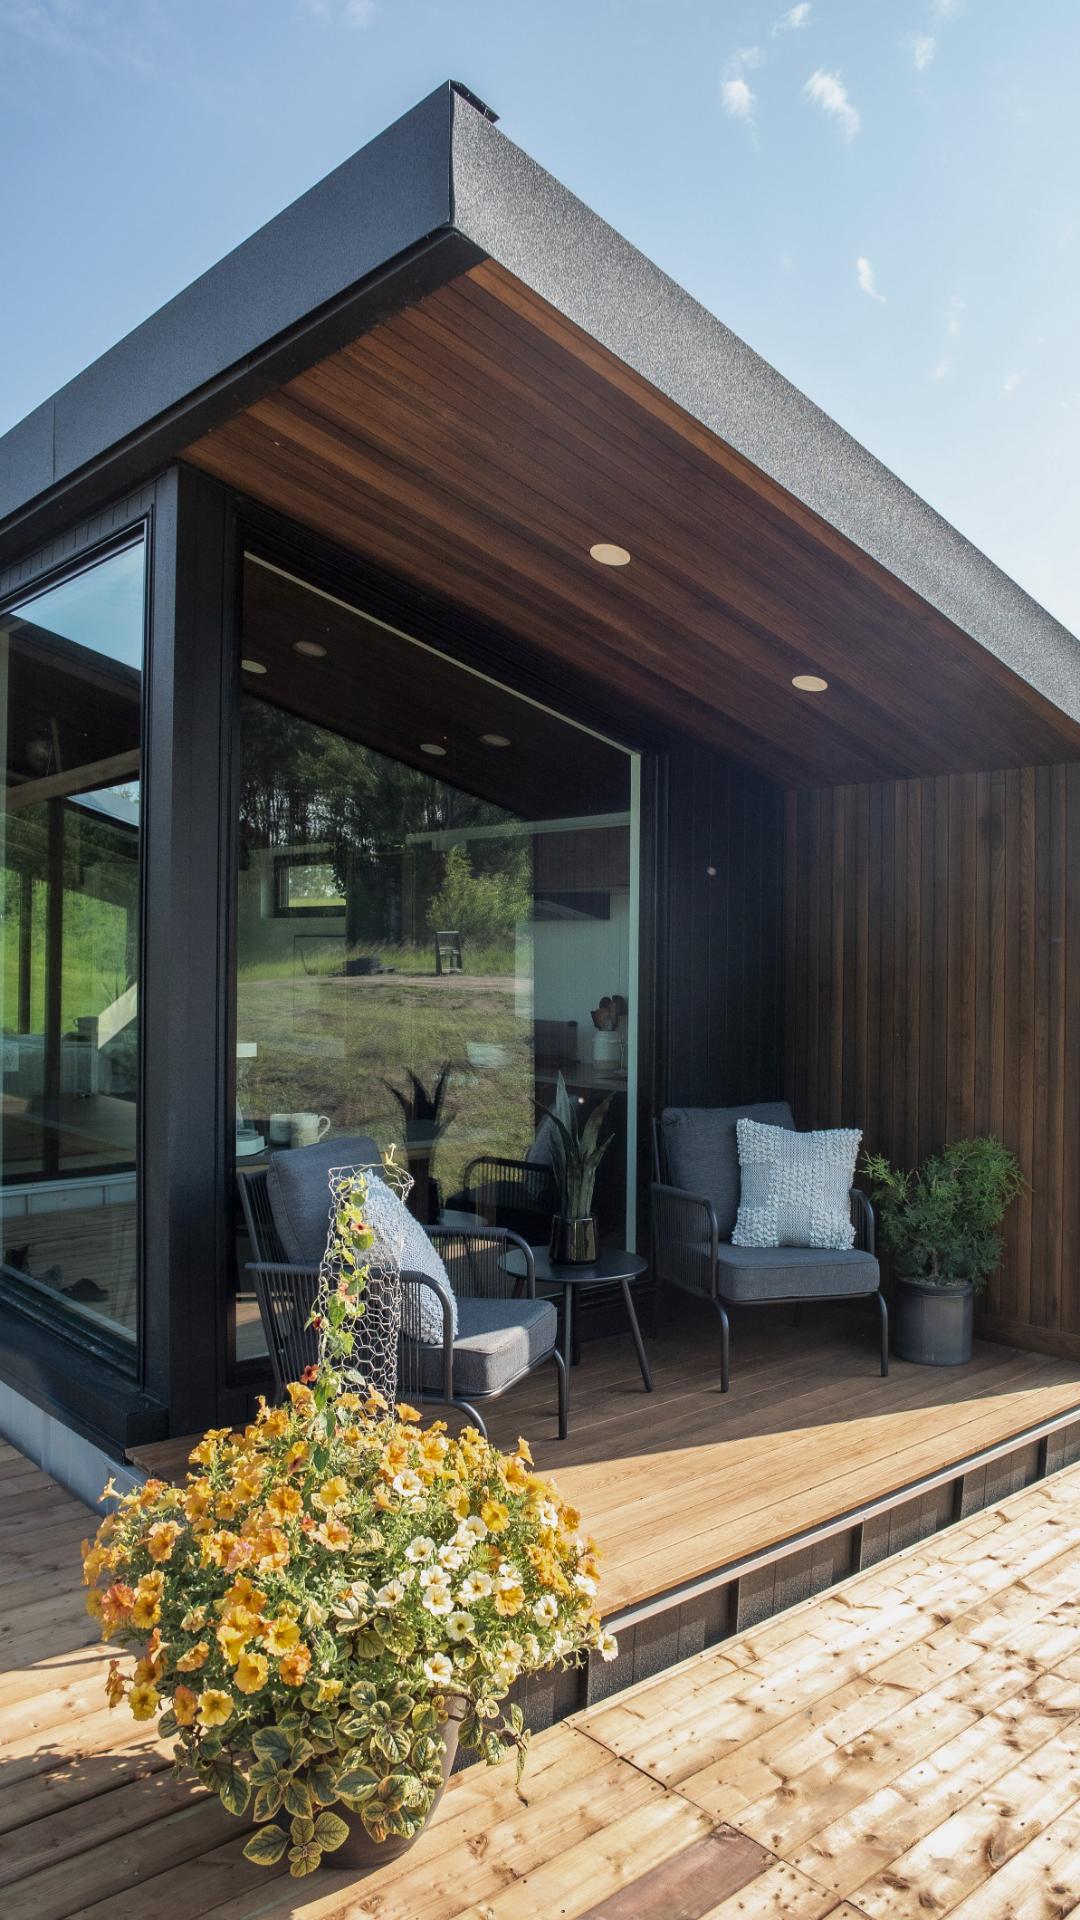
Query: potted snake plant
point(942, 1223)
point(576, 1153)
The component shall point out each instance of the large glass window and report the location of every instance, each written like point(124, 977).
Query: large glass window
point(70, 699)
point(436, 908)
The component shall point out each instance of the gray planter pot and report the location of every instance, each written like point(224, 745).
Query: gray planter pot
point(934, 1324)
point(573, 1242)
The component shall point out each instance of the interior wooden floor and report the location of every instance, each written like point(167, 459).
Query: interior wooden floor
point(905, 1745)
point(680, 1482)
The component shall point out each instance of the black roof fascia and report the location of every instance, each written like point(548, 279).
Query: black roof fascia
point(439, 190)
point(371, 237)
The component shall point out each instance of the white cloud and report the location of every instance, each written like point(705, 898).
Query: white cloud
point(943, 368)
point(1011, 382)
point(794, 18)
point(864, 273)
point(954, 316)
point(353, 13)
point(737, 99)
point(945, 9)
point(828, 92)
point(924, 50)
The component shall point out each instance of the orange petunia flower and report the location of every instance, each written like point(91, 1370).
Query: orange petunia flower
point(185, 1704)
point(294, 1667)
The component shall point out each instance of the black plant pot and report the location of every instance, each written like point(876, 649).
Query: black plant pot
point(573, 1243)
point(934, 1324)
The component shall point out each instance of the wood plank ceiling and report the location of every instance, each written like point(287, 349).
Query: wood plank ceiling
point(478, 444)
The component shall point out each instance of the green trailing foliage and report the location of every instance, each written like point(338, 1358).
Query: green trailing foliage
point(942, 1221)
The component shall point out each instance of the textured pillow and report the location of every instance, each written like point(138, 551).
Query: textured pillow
point(400, 1242)
point(702, 1155)
point(795, 1187)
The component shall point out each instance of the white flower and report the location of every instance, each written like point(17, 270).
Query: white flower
point(432, 1577)
point(439, 1601)
point(475, 1586)
point(546, 1610)
point(471, 1530)
point(451, 1557)
point(504, 1674)
point(547, 1514)
point(512, 1650)
point(392, 1594)
point(408, 1484)
point(439, 1670)
point(585, 1583)
point(531, 1650)
point(507, 1578)
point(607, 1646)
point(459, 1625)
point(419, 1549)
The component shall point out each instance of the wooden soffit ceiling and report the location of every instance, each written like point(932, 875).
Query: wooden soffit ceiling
point(478, 443)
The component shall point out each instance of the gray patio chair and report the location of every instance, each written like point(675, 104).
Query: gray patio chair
point(695, 1198)
point(504, 1331)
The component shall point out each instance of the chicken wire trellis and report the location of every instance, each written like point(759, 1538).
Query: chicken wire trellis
point(375, 1361)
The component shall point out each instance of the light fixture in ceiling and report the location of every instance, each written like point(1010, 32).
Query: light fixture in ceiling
point(433, 747)
point(252, 666)
point(810, 683)
point(310, 649)
point(607, 555)
point(495, 739)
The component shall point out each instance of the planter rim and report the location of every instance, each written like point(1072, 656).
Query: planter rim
point(926, 1285)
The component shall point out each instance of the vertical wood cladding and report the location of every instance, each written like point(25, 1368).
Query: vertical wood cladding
point(722, 991)
point(932, 989)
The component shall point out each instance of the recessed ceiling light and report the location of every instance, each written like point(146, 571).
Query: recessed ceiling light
point(433, 747)
point(495, 739)
point(310, 648)
point(252, 666)
point(810, 683)
point(609, 556)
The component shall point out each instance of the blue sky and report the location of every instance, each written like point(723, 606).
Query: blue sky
point(881, 196)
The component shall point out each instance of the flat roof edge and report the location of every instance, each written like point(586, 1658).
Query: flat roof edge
point(383, 201)
point(521, 217)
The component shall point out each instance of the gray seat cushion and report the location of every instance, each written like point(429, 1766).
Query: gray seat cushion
point(701, 1152)
point(298, 1189)
point(497, 1341)
point(782, 1273)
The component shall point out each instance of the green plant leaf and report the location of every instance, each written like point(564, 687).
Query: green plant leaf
point(323, 1783)
point(268, 1800)
point(266, 1847)
point(331, 1831)
point(272, 1744)
point(356, 1781)
point(303, 1860)
point(298, 1799)
point(301, 1831)
point(231, 1787)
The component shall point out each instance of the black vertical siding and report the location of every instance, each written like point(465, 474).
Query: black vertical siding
point(721, 977)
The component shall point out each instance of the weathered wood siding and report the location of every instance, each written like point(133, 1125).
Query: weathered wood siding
point(932, 989)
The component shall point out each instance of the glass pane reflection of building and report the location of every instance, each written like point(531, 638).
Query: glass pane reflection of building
point(435, 895)
point(70, 687)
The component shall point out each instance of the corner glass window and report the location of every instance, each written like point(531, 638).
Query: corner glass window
point(70, 703)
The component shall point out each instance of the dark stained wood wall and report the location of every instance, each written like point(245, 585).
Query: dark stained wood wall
point(932, 989)
point(720, 994)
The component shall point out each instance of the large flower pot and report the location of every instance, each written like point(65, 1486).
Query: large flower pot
point(934, 1323)
point(360, 1850)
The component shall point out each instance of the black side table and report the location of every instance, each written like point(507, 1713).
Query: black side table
point(615, 1267)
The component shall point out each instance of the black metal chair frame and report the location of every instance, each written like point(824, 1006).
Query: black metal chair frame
point(695, 1223)
point(535, 1177)
point(285, 1291)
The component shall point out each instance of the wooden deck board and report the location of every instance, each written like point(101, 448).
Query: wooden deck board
point(686, 1480)
point(906, 1744)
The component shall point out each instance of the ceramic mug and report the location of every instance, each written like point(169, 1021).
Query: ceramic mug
point(307, 1128)
point(279, 1128)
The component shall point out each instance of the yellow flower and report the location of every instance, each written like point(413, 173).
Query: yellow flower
point(407, 1413)
point(329, 1691)
point(515, 1473)
point(281, 1636)
point(524, 1450)
point(508, 1601)
point(184, 1705)
point(215, 1707)
point(116, 1604)
point(333, 1493)
point(193, 1619)
point(296, 1455)
point(335, 1535)
point(283, 1503)
point(294, 1667)
point(232, 1641)
point(146, 1612)
point(458, 1502)
point(270, 1549)
point(93, 1604)
point(495, 1516)
point(302, 1397)
point(244, 1593)
point(143, 1700)
point(114, 1685)
point(195, 1658)
point(251, 1672)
